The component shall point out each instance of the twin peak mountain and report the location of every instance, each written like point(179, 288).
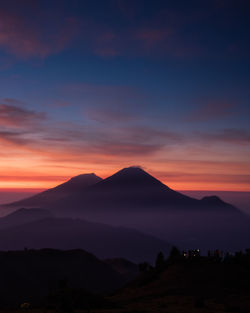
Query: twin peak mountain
point(129, 189)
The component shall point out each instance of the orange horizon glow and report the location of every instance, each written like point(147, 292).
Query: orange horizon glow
point(182, 167)
point(27, 184)
point(76, 101)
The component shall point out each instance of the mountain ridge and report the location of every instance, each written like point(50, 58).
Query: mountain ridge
point(128, 185)
point(23, 215)
point(74, 185)
point(132, 198)
point(100, 239)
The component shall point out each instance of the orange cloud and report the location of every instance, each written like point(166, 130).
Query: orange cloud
point(35, 156)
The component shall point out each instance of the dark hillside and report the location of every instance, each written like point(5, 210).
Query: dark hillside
point(30, 275)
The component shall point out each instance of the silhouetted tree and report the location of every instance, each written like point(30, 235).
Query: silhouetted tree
point(175, 255)
point(160, 262)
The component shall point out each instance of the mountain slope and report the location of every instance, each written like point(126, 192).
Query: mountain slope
point(133, 198)
point(214, 202)
point(72, 187)
point(30, 275)
point(23, 216)
point(192, 286)
point(127, 269)
point(102, 240)
point(129, 189)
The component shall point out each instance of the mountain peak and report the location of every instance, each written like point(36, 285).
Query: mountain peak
point(74, 185)
point(216, 202)
point(212, 199)
point(132, 170)
point(130, 178)
point(84, 178)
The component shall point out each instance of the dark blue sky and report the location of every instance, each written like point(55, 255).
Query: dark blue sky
point(96, 85)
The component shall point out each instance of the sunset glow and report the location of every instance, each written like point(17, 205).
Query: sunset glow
point(160, 89)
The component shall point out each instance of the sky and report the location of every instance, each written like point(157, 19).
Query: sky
point(95, 86)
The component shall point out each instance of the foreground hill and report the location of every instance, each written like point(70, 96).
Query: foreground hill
point(203, 285)
point(127, 269)
point(214, 284)
point(31, 274)
point(65, 233)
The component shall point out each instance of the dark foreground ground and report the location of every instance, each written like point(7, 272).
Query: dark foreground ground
point(178, 285)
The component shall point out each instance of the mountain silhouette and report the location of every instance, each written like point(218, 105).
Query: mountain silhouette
point(30, 275)
point(73, 186)
point(215, 201)
point(130, 188)
point(23, 216)
point(102, 240)
point(132, 198)
point(194, 285)
point(127, 269)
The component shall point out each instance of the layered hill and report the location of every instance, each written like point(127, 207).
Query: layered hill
point(23, 216)
point(127, 269)
point(30, 275)
point(135, 199)
point(64, 233)
point(192, 286)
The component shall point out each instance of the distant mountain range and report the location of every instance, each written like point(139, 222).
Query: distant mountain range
point(131, 189)
point(130, 198)
point(35, 228)
point(23, 216)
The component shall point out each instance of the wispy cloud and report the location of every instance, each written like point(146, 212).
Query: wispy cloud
point(15, 116)
point(25, 38)
point(160, 33)
point(9, 137)
point(33, 141)
point(205, 178)
point(11, 101)
point(109, 115)
point(151, 36)
point(228, 135)
point(212, 110)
